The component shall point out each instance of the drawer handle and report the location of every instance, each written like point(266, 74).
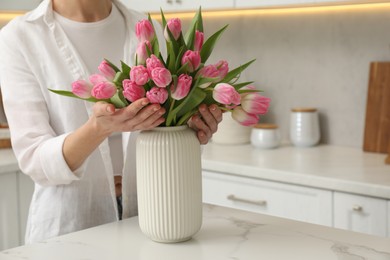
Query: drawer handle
point(357, 208)
point(255, 202)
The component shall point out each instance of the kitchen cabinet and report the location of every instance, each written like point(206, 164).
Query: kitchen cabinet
point(26, 189)
point(18, 5)
point(9, 224)
point(267, 197)
point(361, 213)
point(177, 5)
point(388, 218)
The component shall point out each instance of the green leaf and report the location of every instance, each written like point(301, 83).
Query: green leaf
point(196, 23)
point(178, 58)
point(193, 99)
point(118, 100)
point(119, 77)
point(208, 46)
point(243, 84)
point(112, 65)
point(237, 71)
point(125, 68)
point(164, 21)
point(190, 40)
point(242, 91)
point(70, 94)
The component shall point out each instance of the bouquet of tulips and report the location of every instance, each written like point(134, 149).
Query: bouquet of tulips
point(180, 82)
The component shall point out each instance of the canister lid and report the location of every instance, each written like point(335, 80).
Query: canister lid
point(265, 126)
point(303, 109)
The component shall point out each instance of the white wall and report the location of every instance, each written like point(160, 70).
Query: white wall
point(310, 59)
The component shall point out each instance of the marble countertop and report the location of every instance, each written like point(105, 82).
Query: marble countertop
point(329, 167)
point(225, 234)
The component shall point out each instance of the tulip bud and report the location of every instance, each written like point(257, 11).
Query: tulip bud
point(132, 91)
point(97, 78)
point(106, 70)
point(157, 95)
point(82, 88)
point(141, 52)
point(226, 94)
point(199, 37)
point(208, 71)
point(161, 77)
point(255, 103)
point(223, 69)
point(139, 74)
point(192, 58)
point(244, 118)
point(174, 25)
point(144, 30)
point(152, 63)
point(182, 88)
point(104, 90)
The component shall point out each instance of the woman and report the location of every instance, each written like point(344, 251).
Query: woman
point(64, 144)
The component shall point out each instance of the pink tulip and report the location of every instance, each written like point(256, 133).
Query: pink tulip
point(144, 30)
point(82, 88)
point(174, 26)
point(106, 70)
point(254, 103)
point(139, 74)
point(104, 90)
point(209, 71)
point(97, 78)
point(182, 88)
point(152, 63)
point(161, 77)
point(192, 58)
point(141, 51)
point(244, 118)
point(157, 95)
point(226, 94)
point(132, 91)
point(199, 37)
point(223, 69)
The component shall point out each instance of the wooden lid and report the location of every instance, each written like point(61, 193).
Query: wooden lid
point(303, 109)
point(265, 126)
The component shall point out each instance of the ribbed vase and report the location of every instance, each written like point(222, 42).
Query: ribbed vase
point(169, 183)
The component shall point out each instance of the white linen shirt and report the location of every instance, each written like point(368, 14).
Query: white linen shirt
point(35, 55)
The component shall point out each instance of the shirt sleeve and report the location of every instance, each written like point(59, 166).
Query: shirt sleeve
point(37, 146)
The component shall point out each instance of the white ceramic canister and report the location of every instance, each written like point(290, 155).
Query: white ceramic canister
point(265, 136)
point(304, 127)
point(231, 132)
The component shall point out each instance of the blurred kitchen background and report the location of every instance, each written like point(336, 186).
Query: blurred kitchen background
point(305, 57)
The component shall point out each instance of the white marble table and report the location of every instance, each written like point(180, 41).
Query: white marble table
point(337, 168)
point(225, 234)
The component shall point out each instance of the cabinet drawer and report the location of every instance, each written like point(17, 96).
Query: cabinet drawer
point(267, 197)
point(360, 213)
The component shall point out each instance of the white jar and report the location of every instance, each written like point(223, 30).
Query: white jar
point(304, 127)
point(265, 136)
point(231, 132)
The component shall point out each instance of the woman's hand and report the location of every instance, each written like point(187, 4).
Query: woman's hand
point(105, 119)
point(139, 115)
point(206, 122)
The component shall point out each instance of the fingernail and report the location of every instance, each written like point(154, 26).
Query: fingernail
point(213, 108)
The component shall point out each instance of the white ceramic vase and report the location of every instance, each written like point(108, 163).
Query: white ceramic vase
point(169, 183)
